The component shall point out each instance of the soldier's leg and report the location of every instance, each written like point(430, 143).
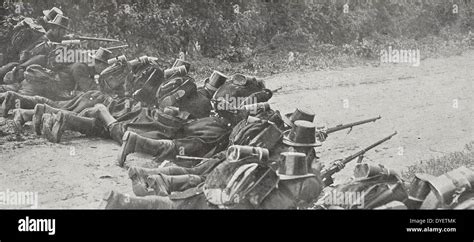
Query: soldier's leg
point(20, 117)
point(13, 100)
point(14, 87)
point(193, 147)
point(101, 113)
point(139, 176)
point(132, 142)
point(140, 172)
point(65, 120)
point(39, 110)
point(116, 200)
point(163, 185)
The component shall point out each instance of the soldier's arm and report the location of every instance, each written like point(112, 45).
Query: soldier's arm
point(310, 190)
point(82, 77)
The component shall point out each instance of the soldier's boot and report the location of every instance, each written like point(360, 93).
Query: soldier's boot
point(117, 200)
point(47, 125)
point(138, 176)
point(102, 114)
point(141, 173)
point(20, 117)
point(69, 121)
point(39, 110)
point(164, 185)
point(134, 143)
point(148, 91)
point(8, 103)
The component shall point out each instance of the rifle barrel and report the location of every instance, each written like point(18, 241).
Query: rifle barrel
point(361, 152)
point(182, 157)
point(326, 174)
point(97, 39)
point(350, 125)
point(116, 47)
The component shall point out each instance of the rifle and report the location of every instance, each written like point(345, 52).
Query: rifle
point(96, 39)
point(349, 125)
point(337, 165)
point(276, 90)
point(182, 159)
point(116, 47)
point(63, 43)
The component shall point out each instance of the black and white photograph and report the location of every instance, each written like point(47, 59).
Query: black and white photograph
point(315, 105)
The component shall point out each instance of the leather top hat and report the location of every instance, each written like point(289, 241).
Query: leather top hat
point(303, 134)
point(180, 62)
point(51, 14)
point(420, 187)
point(60, 21)
point(298, 114)
point(215, 81)
point(292, 165)
point(102, 55)
point(447, 185)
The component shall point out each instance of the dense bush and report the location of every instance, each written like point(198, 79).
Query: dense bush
point(240, 31)
point(440, 165)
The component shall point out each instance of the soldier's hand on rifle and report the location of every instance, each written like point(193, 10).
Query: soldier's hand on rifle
point(318, 167)
point(70, 36)
point(321, 135)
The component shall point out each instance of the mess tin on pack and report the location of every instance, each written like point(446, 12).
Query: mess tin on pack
point(215, 81)
point(178, 71)
point(51, 14)
point(114, 60)
point(238, 152)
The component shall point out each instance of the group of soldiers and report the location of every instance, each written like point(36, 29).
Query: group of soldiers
point(224, 145)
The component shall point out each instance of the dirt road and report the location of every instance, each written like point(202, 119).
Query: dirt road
point(430, 106)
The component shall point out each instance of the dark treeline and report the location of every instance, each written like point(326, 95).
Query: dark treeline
point(235, 29)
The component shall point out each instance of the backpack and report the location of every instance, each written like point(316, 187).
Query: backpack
point(175, 89)
point(366, 193)
point(115, 79)
point(256, 132)
point(241, 184)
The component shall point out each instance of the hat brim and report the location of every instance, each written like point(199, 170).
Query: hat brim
point(291, 143)
point(290, 177)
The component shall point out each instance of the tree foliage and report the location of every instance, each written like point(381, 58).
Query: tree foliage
point(235, 30)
